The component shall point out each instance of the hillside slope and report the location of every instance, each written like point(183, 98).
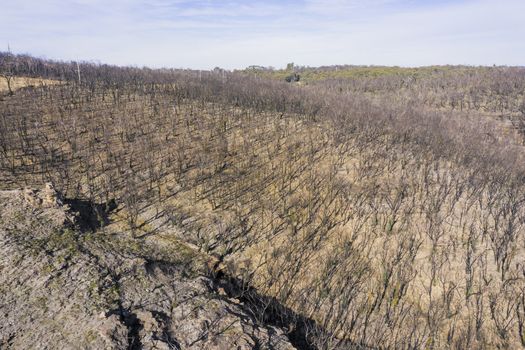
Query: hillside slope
point(384, 211)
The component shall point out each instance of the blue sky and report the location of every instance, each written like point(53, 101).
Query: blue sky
point(231, 34)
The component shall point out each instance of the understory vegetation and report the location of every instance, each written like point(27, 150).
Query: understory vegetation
point(387, 208)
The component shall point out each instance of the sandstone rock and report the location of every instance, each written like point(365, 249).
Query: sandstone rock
point(31, 197)
point(114, 332)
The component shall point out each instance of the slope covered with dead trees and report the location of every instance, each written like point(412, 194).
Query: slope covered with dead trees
point(389, 211)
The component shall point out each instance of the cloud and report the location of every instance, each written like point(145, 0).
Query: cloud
point(235, 33)
point(344, 7)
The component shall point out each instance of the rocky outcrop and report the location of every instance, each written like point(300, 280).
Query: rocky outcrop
point(48, 197)
point(64, 289)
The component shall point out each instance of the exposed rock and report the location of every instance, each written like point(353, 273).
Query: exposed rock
point(63, 289)
point(50, 197)
point(46, 197)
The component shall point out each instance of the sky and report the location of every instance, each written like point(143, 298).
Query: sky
point(204, 34)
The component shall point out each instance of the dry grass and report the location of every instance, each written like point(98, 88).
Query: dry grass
point(23, 82)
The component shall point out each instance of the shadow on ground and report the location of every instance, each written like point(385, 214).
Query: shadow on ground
point(91, 216)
